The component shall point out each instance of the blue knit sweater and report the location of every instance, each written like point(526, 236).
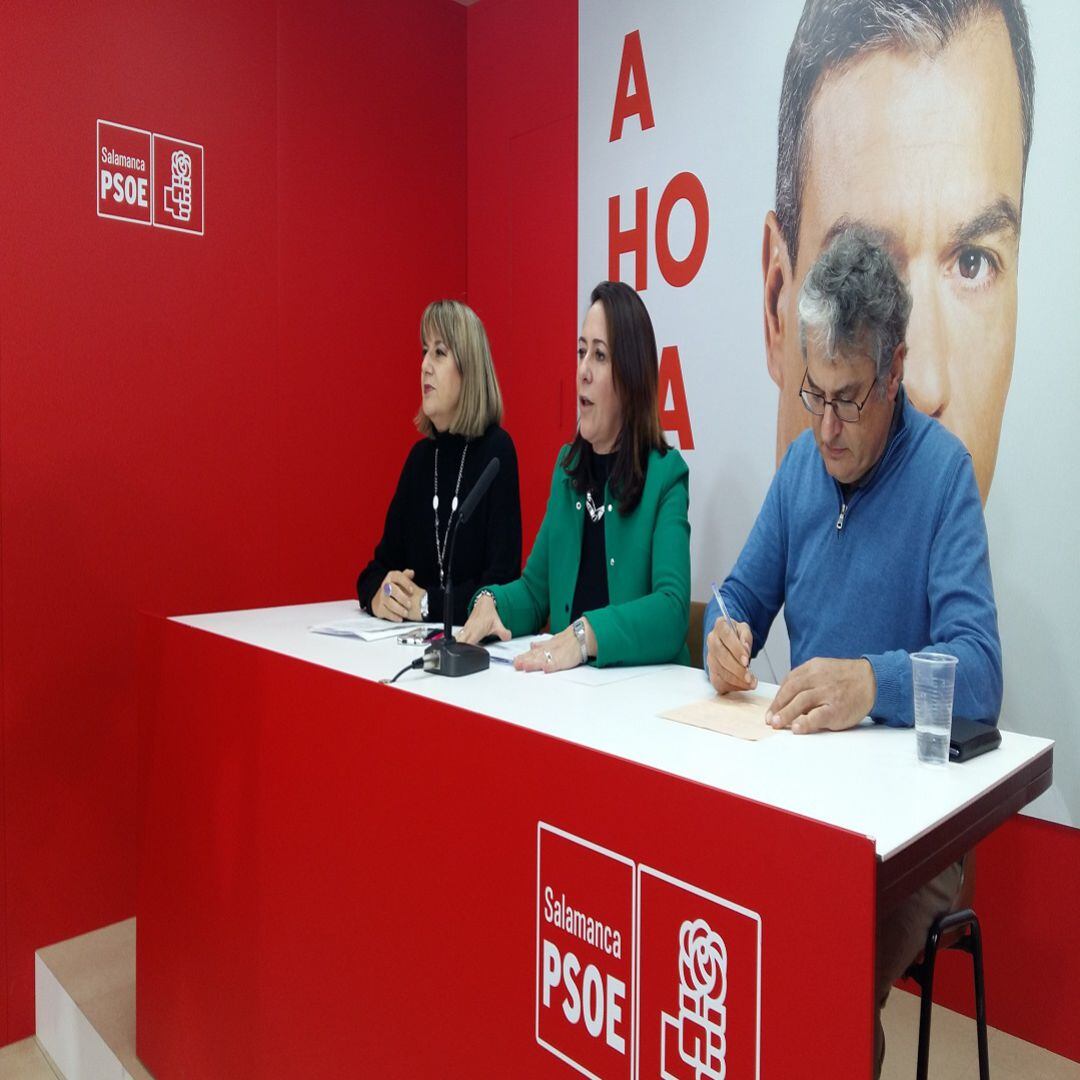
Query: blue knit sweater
point(903, 568)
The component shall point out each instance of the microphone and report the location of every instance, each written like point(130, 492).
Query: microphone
point(487, 478)
point(450, 657)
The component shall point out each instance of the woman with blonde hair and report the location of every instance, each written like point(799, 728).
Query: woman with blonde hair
point(459, 418)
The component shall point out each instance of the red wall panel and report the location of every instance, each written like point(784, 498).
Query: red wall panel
point(1028, 878)
point(522, 224)
point(125, 419)
point(372, 227)
point(188, 423)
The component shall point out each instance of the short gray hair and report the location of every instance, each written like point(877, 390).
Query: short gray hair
point(833, 32)
point(853, 300)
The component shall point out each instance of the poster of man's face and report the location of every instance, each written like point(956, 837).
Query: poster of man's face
point(911, 119)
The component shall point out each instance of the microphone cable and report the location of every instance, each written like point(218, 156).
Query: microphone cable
point(414, 666)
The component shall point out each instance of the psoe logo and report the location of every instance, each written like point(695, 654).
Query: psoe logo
point(692, 1044)
point(150, 179)
point(699, 983)
point(584, 954)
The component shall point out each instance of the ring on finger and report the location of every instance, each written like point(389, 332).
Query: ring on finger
point(548, 657)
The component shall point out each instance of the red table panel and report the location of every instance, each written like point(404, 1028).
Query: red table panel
point(340, 876)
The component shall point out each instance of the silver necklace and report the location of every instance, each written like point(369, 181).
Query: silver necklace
point(440, 549)
point(595, 512)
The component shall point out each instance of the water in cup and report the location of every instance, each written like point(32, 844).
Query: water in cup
point(932, 746)
point(933, 676)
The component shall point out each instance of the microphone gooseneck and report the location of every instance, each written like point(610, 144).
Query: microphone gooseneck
point(479, 490)
point(450, 657)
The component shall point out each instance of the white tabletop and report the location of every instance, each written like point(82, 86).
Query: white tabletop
point(866, 780)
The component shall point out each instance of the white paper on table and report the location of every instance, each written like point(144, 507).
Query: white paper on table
point(504, 652)
point(588, 675)
point(364, 627)
point(740, 714)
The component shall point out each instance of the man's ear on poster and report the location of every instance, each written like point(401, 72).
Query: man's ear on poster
point(779, 278)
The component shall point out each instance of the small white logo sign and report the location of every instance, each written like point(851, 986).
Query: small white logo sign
point(178, 193)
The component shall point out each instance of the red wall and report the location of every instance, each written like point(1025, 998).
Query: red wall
point(522, 224)
point(191, 423)
point(1028, 879)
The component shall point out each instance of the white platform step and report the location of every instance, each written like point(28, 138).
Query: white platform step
point(85, 1005)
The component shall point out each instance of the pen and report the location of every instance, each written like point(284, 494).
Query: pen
point(723, 609)
point(727, 617)
point(731, 626)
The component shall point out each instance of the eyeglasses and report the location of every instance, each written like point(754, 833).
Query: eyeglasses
point(846, 411)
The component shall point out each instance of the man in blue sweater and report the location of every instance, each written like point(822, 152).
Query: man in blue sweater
point(872, 538)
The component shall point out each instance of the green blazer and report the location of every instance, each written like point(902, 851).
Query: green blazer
point(648, 569)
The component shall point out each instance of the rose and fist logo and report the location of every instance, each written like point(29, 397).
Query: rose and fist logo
point(694, 1045)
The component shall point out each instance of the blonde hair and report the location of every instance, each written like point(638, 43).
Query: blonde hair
point(480, 404)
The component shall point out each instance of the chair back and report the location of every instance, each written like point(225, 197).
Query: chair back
point(695, 637)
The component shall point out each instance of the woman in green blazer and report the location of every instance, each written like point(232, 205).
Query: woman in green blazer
point(610, 569)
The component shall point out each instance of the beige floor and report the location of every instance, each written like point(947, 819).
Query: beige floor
point(25, 1061)
point(953, 1053)
point(98, 970)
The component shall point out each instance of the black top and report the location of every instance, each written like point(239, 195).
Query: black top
point(488, 547)
point(591, 591)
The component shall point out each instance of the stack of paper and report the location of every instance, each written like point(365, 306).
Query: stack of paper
point(505, 652)
point(366, 628)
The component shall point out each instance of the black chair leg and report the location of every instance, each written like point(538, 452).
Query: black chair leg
point(926, 1005)
point(923, 973)
point(980, 998)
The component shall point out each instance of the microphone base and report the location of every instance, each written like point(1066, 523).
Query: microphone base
point(453, 659)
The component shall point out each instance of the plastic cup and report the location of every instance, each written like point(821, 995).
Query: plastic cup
point(933, 675)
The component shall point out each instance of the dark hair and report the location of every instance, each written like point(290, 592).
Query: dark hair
point(832, 33)
point(634, 372)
